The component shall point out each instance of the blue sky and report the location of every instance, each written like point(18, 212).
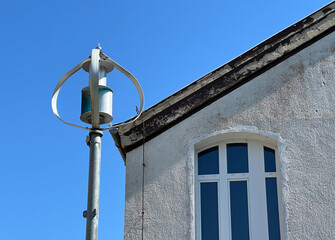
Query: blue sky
point(165, 44)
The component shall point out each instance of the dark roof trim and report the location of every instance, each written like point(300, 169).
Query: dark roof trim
point(228, 77)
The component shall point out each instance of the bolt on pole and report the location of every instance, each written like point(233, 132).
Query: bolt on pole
point(92, 213)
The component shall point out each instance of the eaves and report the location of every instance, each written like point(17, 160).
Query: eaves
point(226, 78)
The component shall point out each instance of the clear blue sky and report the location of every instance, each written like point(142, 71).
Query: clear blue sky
point(165, 44)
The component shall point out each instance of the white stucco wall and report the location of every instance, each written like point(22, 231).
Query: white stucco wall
point(294, 104)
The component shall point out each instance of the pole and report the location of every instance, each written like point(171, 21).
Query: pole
point(92, 213)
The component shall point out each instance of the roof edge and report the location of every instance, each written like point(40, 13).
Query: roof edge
point(228, 77)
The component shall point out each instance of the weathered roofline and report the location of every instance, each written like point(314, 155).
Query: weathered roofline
point(228, 77)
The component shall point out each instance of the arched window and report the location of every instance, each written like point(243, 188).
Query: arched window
point(236, 192)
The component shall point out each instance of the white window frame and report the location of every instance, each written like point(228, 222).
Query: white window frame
point(257, 205)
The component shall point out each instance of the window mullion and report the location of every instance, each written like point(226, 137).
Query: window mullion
point(224, 204)
point(257, 210)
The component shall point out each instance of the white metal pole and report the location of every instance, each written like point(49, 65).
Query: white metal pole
point(92, 213)
point(94, 142)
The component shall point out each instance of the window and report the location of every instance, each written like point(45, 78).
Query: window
point(236, 192)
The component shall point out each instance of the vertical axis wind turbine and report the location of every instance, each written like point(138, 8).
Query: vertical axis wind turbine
point(96, 109)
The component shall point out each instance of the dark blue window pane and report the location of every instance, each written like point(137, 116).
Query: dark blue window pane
point(209, 211)
point(239, 210)
point(208, 161)
point(269, 160)
point(272, 205)
point(237, 158)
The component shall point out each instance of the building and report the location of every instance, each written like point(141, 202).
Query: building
point(245, 152)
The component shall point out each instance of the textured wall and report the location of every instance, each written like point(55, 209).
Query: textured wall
point(294, 103)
